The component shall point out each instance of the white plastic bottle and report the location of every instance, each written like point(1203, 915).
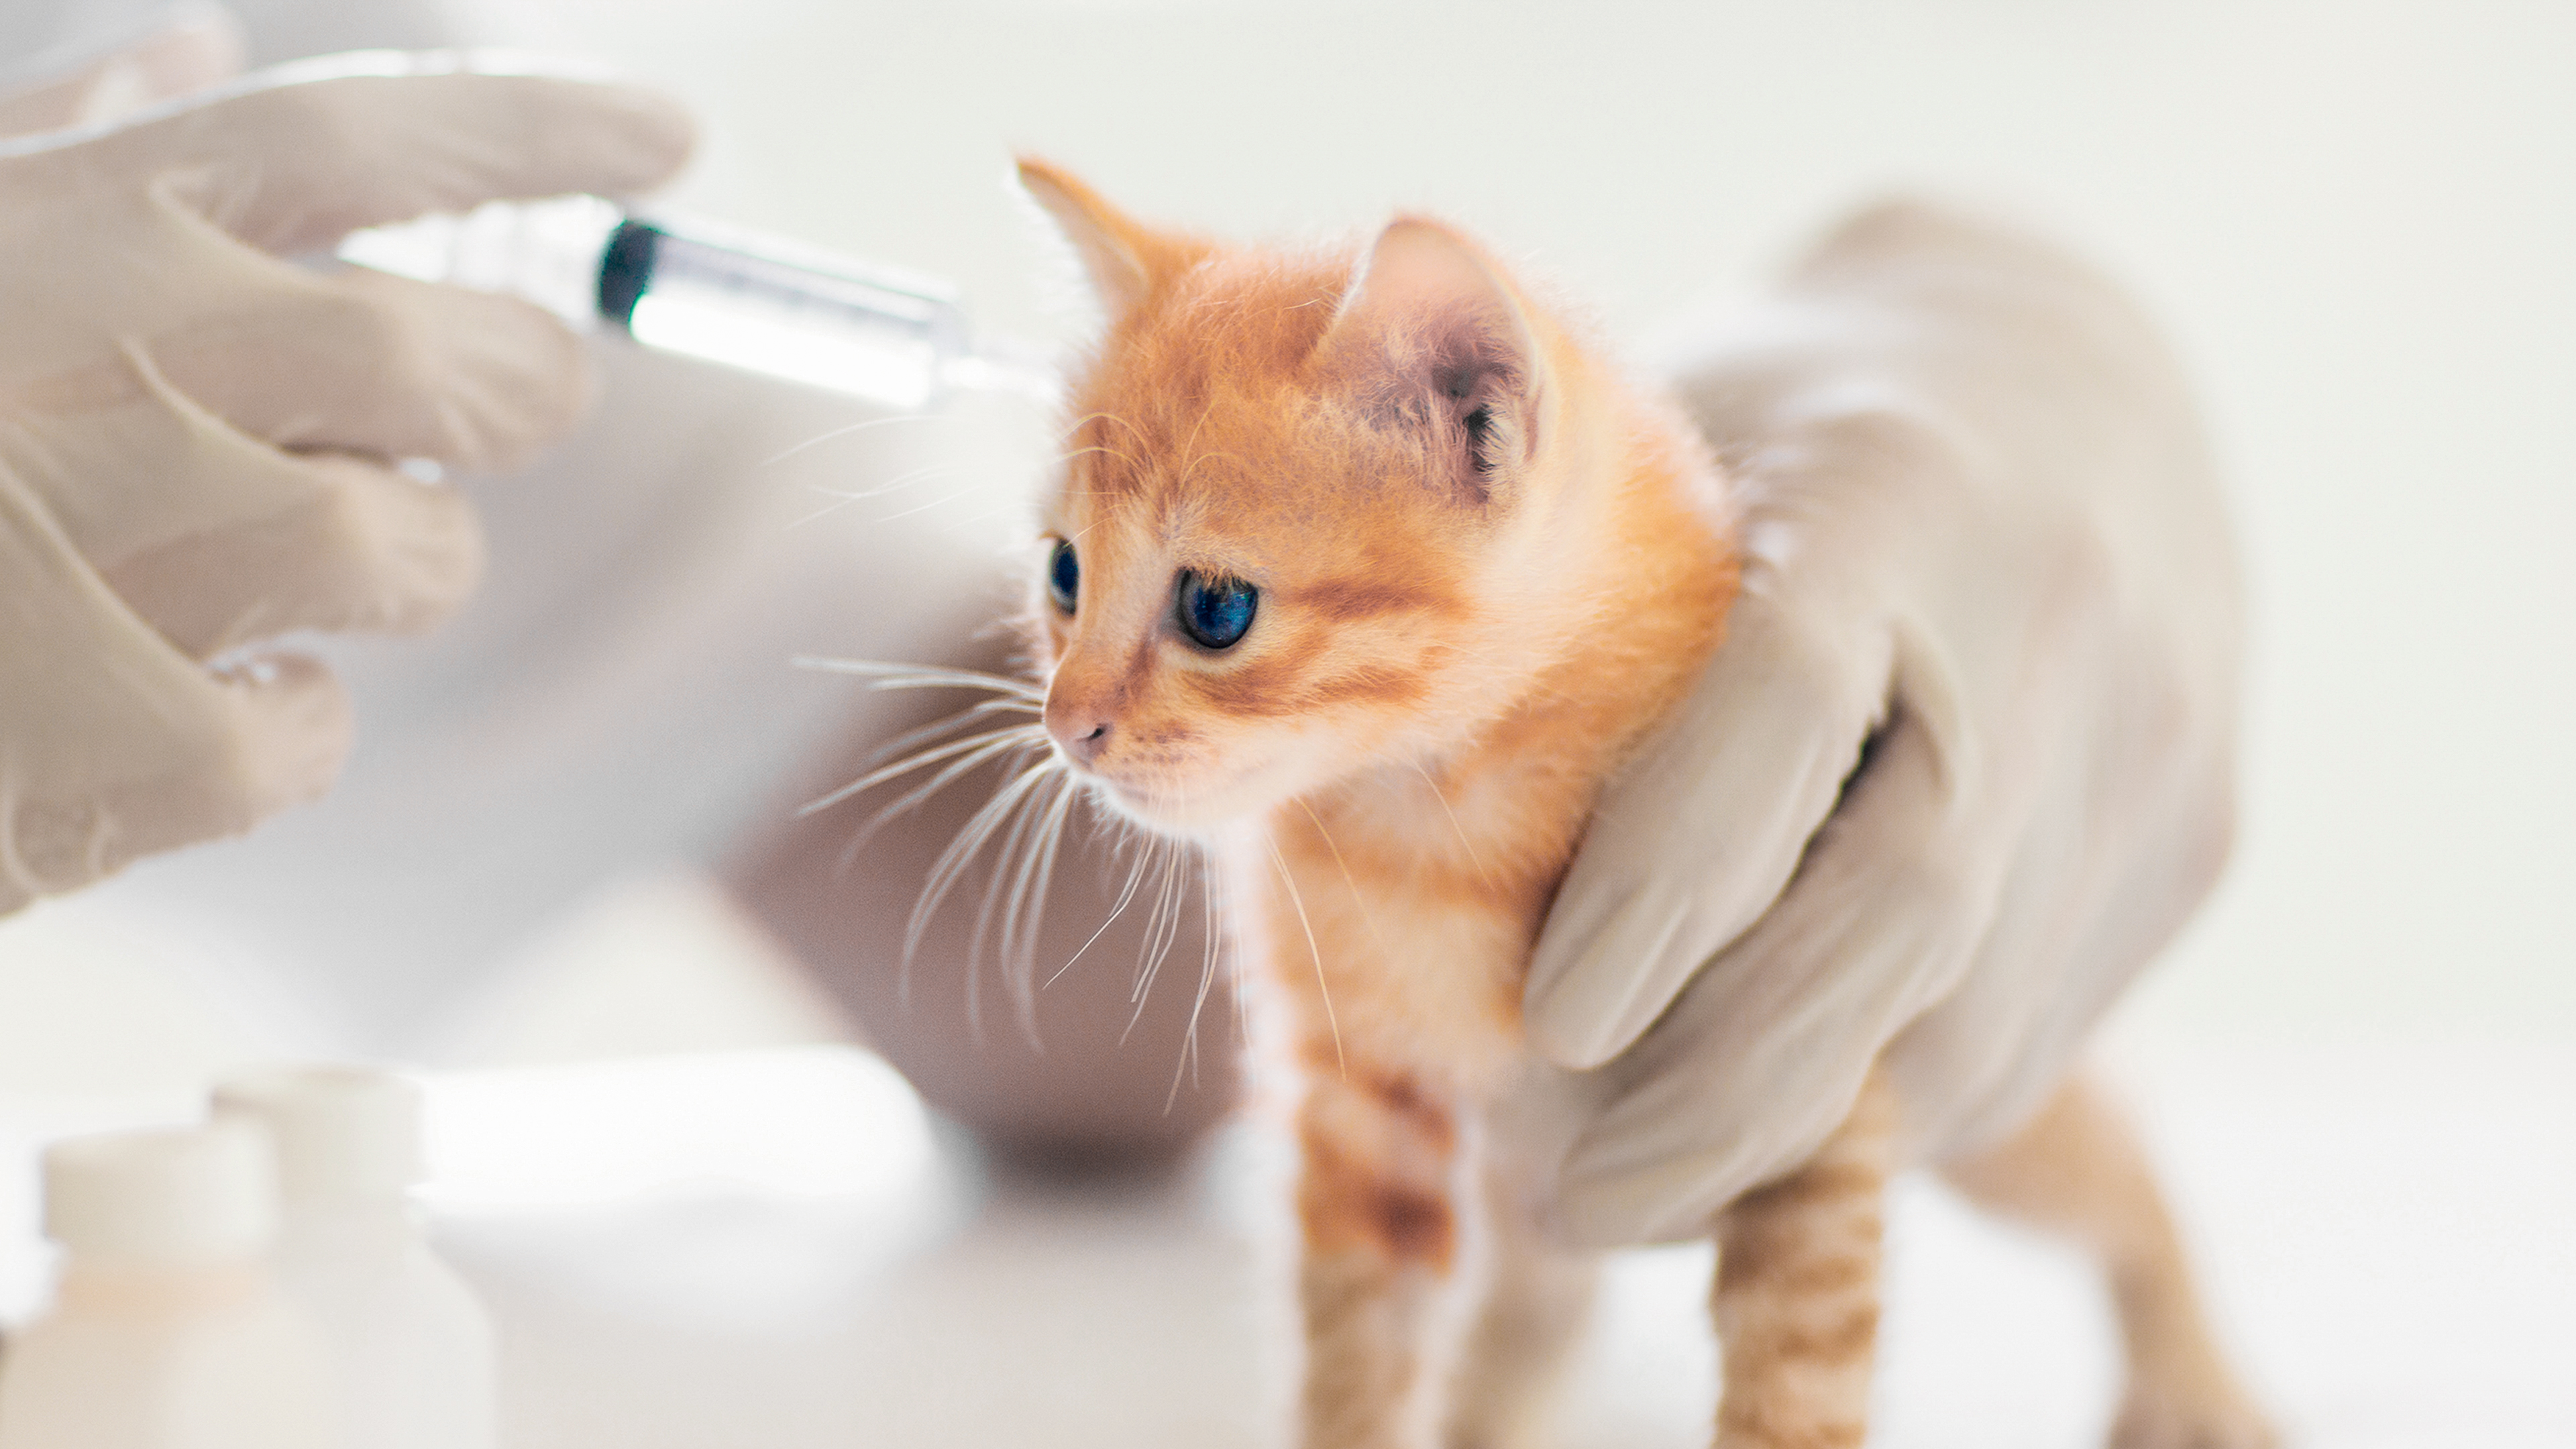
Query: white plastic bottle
point(411, 1349)
point(167, 1330)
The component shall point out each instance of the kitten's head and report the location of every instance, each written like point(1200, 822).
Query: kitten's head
point(1309, 512)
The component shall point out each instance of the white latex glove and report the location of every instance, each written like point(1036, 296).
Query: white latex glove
point(1981, 536)
point(195, 434)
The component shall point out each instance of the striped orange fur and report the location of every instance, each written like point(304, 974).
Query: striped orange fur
point(1481, 565)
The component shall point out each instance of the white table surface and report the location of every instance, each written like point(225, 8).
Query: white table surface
point(772, 1245)
point(2391, 1241)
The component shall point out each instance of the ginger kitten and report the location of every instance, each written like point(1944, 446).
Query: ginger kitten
point(1364, 573)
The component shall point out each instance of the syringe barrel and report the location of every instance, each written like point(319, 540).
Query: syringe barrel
point(769, 307)
point(753, 302)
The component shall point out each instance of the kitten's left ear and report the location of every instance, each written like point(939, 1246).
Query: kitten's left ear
point(1439, 335)
point(1125, 259)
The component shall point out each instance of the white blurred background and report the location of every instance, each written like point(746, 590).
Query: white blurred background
point(2357, 221)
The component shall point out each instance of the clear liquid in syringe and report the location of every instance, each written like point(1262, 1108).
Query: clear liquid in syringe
point(893, 338)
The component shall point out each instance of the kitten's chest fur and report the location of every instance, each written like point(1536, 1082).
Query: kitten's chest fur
point(1399, 914)
point(1398, 909)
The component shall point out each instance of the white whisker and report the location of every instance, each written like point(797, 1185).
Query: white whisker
point(1135, 875)
point(1464, 843)
point(916, 676)
point(860, 427)
point(1208, 961)
point(940, 502)
point(1003, 743)
point(951, 867)
point(1313, 951)
point(841, 500)
point(1359, 902)
point(1162, 929)
point(1014, 840)
point(1026, 911)
point(887, 761)
point(1157, 852)
point(1176, 882)
point(976, 748)
point(895, 676)
point(943, 725)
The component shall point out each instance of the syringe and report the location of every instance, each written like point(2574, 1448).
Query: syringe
point(892, 337)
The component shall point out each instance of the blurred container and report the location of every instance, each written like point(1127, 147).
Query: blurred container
point(167, 1330)
point(410, 1350)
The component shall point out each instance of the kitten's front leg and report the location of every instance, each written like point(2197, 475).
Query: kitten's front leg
point(1385, 1222)
point(1537, 1297)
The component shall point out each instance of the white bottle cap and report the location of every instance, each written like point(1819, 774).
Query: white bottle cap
point(191, 1197)
point(344, 1134)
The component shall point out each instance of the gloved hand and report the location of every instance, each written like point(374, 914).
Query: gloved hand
point(195, 435)
point(1964, 761)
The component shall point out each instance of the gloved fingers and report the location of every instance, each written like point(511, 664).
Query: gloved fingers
point(1765, 1052)
point(292, 167)
point(364, 549)
point(193, 49)
point(112, 744)
point(269, 736)
point(275, 734)
point(1735, 786)
point(367, 363)
point(216, 539)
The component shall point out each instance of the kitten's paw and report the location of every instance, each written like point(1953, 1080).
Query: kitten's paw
point(2163, 1419)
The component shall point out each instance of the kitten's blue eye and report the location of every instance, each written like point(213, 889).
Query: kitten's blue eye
point(1215, 612)
point(1064, 575)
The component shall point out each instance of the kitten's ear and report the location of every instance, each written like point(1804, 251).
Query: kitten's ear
point(1124, 259)
point(1437, 336)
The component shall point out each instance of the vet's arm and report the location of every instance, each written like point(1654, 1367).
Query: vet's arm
point(1965, 760)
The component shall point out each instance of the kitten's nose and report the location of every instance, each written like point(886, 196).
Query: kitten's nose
point(1082, 736)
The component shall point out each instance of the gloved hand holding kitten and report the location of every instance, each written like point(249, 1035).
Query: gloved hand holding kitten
point(1963, 764)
